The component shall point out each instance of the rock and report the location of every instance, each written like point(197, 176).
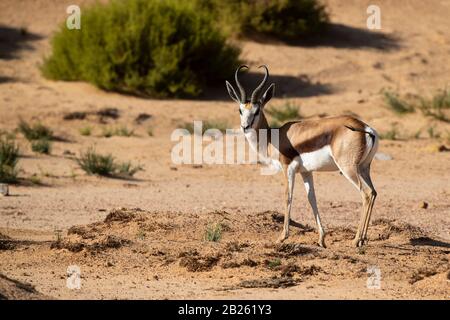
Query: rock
point(4, 189)
point(443, 148)
point(424, 205)
point(383, 156)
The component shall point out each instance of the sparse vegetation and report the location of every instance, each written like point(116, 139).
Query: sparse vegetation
point(41, 146)
point(432, 133)
point(213, 232)
point(284, 19)
point(36, 131)
point(222, 126)
point(9, 157)
point(85, 131)
point(155, 48)
point(122, 131)
point(396, 104)
point(391, 134)
point(280, 115)
point(272, 264)
point(105, 165)
point(437, 107)
point(150, 131)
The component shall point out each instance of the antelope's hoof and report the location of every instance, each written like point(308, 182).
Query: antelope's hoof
point(281, 239)
point(322, 244)
point(359, 242)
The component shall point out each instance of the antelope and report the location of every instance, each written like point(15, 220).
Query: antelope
point(341, 143)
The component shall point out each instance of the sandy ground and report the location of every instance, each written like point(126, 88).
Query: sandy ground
point(159, 250)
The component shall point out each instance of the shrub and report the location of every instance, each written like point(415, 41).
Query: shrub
point(37, 131)
point(437, 106)
point(86, 131)
point(213, 232)
point(9, 156)
point(148, 47)
point(206, 125)
point(396, 104)
point(285, 19)
point(280, 115)
point(105, 165)
point(41, 146)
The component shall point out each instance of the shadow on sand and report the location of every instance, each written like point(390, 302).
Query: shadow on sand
point(340, 36)
point(12, 40)
point(285, 87)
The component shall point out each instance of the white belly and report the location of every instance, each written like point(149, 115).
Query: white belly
point(318, 160)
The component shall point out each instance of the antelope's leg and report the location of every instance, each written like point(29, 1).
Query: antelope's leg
point(289, 173)
point(371, 193)
point(309, 186)
point(352, 175)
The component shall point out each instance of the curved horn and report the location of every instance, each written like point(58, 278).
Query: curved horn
point(239, 85)
point(261, 85)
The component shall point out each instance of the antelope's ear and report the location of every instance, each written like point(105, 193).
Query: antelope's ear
point(232, 92)
point(270, 92)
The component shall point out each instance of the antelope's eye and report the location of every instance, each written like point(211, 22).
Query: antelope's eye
point(240, 111)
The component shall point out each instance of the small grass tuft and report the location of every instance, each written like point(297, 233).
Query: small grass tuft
point(150, 131)
point(220, 125)
point(36, 131)
point(433, 134)
point(397, 105)
point(9, 157)
point(85, 131)
point(437, 107)
point(391, 134)
point(106, 165)
point(120, 131)
point(41, 146)
point(273, 264)
point(286, 112)
point(214, 232)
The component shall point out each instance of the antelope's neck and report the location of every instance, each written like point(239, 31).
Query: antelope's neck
point(257, 139)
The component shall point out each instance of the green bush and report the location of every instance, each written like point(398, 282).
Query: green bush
point(36, 131)
point(41, 146)
point(156, 48)
point(285, 19)
point(106, 165)
point(9, 156)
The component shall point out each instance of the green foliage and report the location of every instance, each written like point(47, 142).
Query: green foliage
point(36, 131)
point(437, 107)
point(213, 232)
point(105, 165)
point(286, 112)
point(396, 104)
point(119, 131)
point(285, 19)
point(86, 131)
point(9, 157)
point(148, 47)
point(206, 125)
point(273, 264)
point(391, 134)
point(41, 146)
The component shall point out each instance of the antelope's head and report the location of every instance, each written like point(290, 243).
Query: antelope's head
point(250, 110)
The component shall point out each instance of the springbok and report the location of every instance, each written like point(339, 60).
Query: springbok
point(341, 143)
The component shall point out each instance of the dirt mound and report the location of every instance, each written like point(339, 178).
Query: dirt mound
point(11, 289)
point(173, 245)
point(6, 242)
